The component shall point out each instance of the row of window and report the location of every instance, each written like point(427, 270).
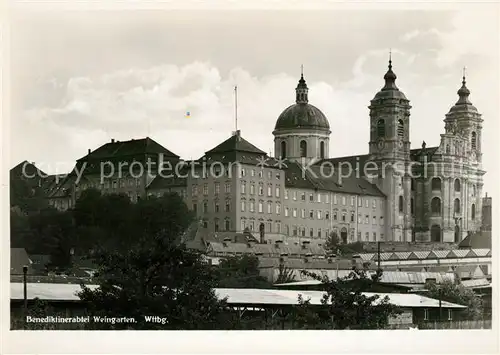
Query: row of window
point(260, 189)
point(302, 149)
point(218, 224)
point(335, 199)
point(436, 185)
point(217, 207)
point(436, 207)
point(260, 173)
point(227, 189)
point(114, 184)
point(381, 129)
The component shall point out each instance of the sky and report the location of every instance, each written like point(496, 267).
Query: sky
point(79, 79)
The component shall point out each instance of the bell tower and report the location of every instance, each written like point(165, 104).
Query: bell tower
point(389, 148)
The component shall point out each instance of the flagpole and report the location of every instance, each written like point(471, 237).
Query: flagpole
point(236, 107)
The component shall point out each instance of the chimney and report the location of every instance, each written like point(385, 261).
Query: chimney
point(112, 140)
point(250, 242)
point(89, 151)
point(278, 243)
point(308, 256)
point(305, 244)
point(237, 133)
point(226, 241)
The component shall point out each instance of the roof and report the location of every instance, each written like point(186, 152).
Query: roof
point(424, 255)
point(476, 283)
point(324, 178)
point(67, 292)
point(236, 144)
point(302, 115)
point(18, 259)
point(479, 240)
point(131, 147)
point(267, 249)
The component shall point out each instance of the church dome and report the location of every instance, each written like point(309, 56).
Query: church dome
point(302, 114)
point(390, 90)
point(463, 103)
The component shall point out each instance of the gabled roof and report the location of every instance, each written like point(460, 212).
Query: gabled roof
point(235, 144)
point(18, 259)
point(479, 240)
point(131, 147)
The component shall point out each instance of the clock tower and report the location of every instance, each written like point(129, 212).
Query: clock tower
point(389, 149)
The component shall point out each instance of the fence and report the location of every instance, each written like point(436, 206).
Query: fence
point(461, 324)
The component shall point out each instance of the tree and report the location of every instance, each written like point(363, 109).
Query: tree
point(345, 306)
point(335, 246)
point(241, 272)
point(456, 293)
point(156, 275)
point(285, 274)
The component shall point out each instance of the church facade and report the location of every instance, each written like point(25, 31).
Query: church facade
point(394, 193)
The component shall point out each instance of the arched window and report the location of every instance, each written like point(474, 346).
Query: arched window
point(412, 206)
point(436, 184)
point(457, 185)
point(447, 149)
point(473, 140)
point(401, 129)
point(456, 206)
point(473, 212)
point(436, 206)
point(380, 128)
point(412, 184)
point(435, 233)
point(303, 149)
point(322, 150)
point(283, 150)
point(401, 207)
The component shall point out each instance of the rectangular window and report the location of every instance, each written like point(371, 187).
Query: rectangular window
point(286, 211)
point(311, 197)
point(352, 216)
point(252, 206)
point(360, 202)
point(295, 195)
point(303, 196)
point(374, 204)
point(252, 173)
point(334, 216)
point(319, 232)
point(242, 225)
point(367, 236)
point(374, 236)
point(319, 197)
point(114, 184)
point(261, 208)
point(450, 314)
point(269, 207)
point(195, 207)
point(278, 208)
point(261, 190)
point(205, 207)
point(205, 189)
point(374, 220)
point(311, 214)
point(216, 207)
point(367, 219)
point(359, 236)
point(242, 173)
point(286, 194)
point(327, 215)
point(252, 189)
point(269, 175)
point(277, 191)
point(228, 188)
point(382, 220)
point(426, 314)
point(294, 212)
point(343, 200)
point(334, 199)
point(277, 176)
point(303, 213)
point(261, 173)
point(343, 217)
point(311, 232)
point(217, 187)
point(327, 198)
point(242, 206)
point(353, 200)
point(295, 230)
point(269, 190)
point(367, 203)
point(319, 214)
point(228, 206)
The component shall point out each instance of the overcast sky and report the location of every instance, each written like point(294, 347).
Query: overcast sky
point(80, 79)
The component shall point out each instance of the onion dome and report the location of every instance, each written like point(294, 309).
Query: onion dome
point(463, 103)
point(390, 90)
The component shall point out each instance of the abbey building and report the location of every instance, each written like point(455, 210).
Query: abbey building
point(393, 193)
